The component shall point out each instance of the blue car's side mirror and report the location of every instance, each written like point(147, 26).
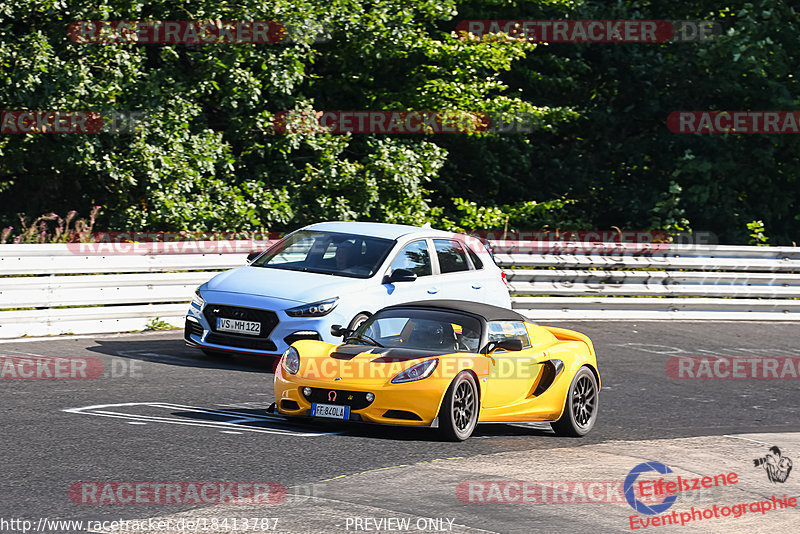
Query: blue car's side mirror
point(399, 275)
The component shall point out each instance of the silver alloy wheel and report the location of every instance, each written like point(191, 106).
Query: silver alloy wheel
point(463, 406)
point(583, 401)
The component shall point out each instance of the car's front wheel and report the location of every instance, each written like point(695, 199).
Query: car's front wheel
point(580, 407)
point(459, 412)
point(357, 321)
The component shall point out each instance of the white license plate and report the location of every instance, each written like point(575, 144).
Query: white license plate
point(330, 410)
point(252, 328)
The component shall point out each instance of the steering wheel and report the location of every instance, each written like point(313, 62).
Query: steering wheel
point(461, 345)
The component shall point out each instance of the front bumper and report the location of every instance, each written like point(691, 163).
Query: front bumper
point(198, 331)
point(407, 404)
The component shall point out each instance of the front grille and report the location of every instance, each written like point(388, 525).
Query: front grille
point(268, 319)
point(357, 400)
point(192, 328)
point(242, 342)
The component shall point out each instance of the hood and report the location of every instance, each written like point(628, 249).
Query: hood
point(369, 366)
point(295, 286)
point(383, 354)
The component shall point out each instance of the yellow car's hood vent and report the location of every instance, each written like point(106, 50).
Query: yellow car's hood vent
point(383, 354)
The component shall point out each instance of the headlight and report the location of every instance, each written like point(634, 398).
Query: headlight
point(291, 361)
point(197, 300)
point(315, 309)
point(416, 372)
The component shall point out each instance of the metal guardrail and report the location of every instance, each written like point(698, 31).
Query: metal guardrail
point(58, 289)
point(52, 292)
point(651, 281)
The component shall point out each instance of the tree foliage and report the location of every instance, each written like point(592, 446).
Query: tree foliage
point(209, 159)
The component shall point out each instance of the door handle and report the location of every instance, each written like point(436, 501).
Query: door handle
point(433, 290)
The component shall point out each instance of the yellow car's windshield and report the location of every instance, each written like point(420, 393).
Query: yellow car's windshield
point(420, 329)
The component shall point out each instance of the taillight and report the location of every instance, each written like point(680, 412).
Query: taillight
point(505, 280)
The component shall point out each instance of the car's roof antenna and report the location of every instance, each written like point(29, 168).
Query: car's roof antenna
point(427, 226)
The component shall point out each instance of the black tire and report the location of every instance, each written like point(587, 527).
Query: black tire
point(580, 406)
point(357, 320)
point(459, 412)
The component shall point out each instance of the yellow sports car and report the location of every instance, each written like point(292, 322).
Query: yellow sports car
point(445, 364)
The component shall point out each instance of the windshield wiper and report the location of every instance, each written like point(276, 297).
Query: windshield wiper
point(296, 268)
point(365, 338)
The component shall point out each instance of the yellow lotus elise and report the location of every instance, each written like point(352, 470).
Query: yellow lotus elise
point(445, 364)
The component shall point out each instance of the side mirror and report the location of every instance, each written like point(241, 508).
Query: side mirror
point(510, 344)
point(338, 330)
point(399, 275)
point(252, 256)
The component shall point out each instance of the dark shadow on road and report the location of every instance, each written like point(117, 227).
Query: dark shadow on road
point(400, 433)
point(255, 418)
point(175, 352)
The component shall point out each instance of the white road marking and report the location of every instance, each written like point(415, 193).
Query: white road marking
point(31, 354)
point(69, 337)
point(747, 439)
point(237, 419)
point(720, 351)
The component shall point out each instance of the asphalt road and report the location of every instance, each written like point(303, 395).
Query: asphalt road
point(182, 416)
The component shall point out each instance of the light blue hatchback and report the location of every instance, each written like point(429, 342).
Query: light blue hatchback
point(336, 273)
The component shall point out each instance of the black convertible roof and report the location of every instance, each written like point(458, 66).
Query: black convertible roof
point(487, 311)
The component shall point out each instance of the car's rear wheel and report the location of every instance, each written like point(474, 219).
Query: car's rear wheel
point(580, 407)
point(459, 412)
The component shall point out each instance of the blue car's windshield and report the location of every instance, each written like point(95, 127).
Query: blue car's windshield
point(327, 253)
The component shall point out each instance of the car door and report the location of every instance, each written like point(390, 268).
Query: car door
point(415, 257)
point(456, 279)
point(511, 373)
point(482, 279)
